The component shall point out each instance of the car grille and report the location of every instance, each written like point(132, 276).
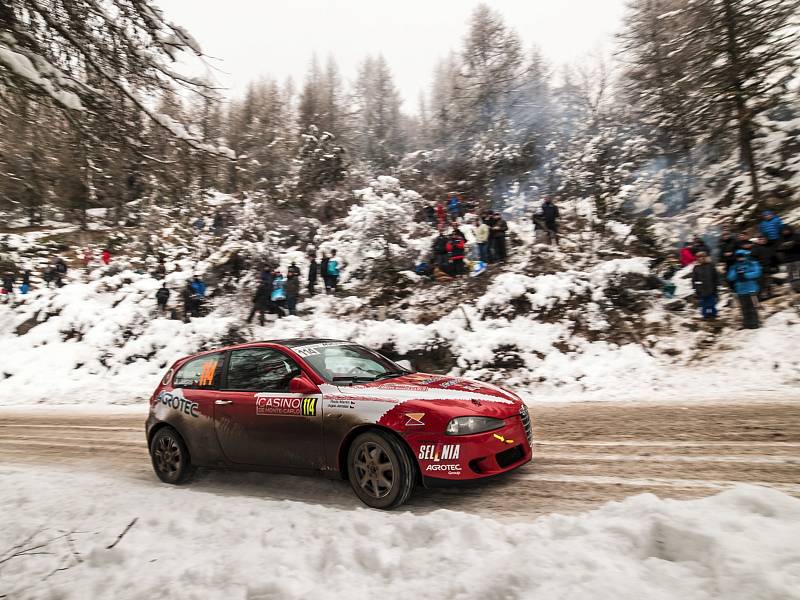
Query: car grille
point(526, 423)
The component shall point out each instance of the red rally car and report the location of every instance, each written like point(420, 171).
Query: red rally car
point(332, 407)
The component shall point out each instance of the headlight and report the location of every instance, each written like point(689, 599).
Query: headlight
point(467, 425)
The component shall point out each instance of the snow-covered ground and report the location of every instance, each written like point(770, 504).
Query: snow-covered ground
point(60, 539)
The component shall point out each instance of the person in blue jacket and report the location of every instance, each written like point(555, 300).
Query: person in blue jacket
point(198, 287)
point(744, 275)
point(332, 269)
point(770, 226)
point(454, 207)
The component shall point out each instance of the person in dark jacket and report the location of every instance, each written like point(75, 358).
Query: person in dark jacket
point(705, 280)
point(788, 252)
point(8, 284)
point(313, 273)
point(323, 270)
point(293, 270)
point(500, 228)
point(727, 247)
point(187, 295)
point(745, 274)
point(292, 290)
point(261, 302)
point(430, 214)
point(440, 251)
point(764, 253)
point(162, 297)
point(550, 214)
point(59, 272)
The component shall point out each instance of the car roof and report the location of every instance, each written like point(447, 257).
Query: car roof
point(288, 343)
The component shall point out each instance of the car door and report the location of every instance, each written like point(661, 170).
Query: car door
point(258, 421)
point(189, 404)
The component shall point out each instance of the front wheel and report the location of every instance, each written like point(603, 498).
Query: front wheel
point(170, 457)
point(380, 470)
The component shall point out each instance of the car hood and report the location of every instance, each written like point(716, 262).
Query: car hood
point(441, 390)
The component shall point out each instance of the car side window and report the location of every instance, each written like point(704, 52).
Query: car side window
point(260, 370)
point(200, 373)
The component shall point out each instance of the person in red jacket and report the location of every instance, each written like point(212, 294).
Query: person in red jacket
point(105, 256)
point(687, 257)
point(441, 214)
point(455, 249)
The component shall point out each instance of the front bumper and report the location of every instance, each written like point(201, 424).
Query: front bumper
point(443, 458)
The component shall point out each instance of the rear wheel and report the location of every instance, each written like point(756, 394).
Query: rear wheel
point(171, 460)
point(380, 470)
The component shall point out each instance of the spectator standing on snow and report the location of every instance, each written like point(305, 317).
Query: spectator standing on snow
point(788, 252)
point(162, 297)
point(455, 250)
point(161, 269)
point(278, 296)
point(770, 226)
point(705, 280)
point(441, 215)
point(292, 289)
point(440, 251)
point(261, 302)
point(8, 284)
point(105, 256)
point(333, 273)
point(430, 214)
point(482, 240)
point(218, 223)
point(26, 282)
point(187, 295)
point(49, 276)
point(323, 271)
point(764, 253)
point(313, 273)
point(699, 245)
point(454, 207)
point(293, 270)
point(745, 274)
point(687, 257)
point(727, 247)
point(499, 228)
point(60, 272)
point(198, 294)
point(550, 215)
point(87, 257)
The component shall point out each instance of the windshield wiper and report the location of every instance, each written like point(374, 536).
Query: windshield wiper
point(352, 378)
point(389, 374)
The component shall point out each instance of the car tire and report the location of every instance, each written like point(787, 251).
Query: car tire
point(380, 470)
point(170, 457)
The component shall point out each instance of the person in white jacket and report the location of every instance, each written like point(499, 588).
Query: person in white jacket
point(481, 233)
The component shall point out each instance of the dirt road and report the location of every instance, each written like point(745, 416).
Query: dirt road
point(585, 455)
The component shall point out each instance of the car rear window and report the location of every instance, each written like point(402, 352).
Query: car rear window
point(202, 373)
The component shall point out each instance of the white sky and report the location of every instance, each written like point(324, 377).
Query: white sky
point(256, 38)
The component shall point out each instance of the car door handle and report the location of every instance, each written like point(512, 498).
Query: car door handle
point(223, 402)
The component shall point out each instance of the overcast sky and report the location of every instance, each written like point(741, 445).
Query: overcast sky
point(255, 38)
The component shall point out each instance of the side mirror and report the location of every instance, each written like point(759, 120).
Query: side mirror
point(406, 364)
point(303, 385)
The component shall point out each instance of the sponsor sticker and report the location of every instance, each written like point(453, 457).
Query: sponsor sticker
point(414, 419)
point(179, 403)
point(207, 374)
point(503, 439)
point(341, 403)
point(287, 407)
point(439, 452)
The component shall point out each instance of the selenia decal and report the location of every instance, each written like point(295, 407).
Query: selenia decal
point(286, 406)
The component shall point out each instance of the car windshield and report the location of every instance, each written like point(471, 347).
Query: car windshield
point(346, 364)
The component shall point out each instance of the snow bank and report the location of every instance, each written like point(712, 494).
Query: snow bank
point(739, 544)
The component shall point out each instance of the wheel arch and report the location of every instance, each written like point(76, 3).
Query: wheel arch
point(161, 425)
point(344, 447)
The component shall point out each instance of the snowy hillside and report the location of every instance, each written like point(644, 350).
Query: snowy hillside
point(584, 321)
